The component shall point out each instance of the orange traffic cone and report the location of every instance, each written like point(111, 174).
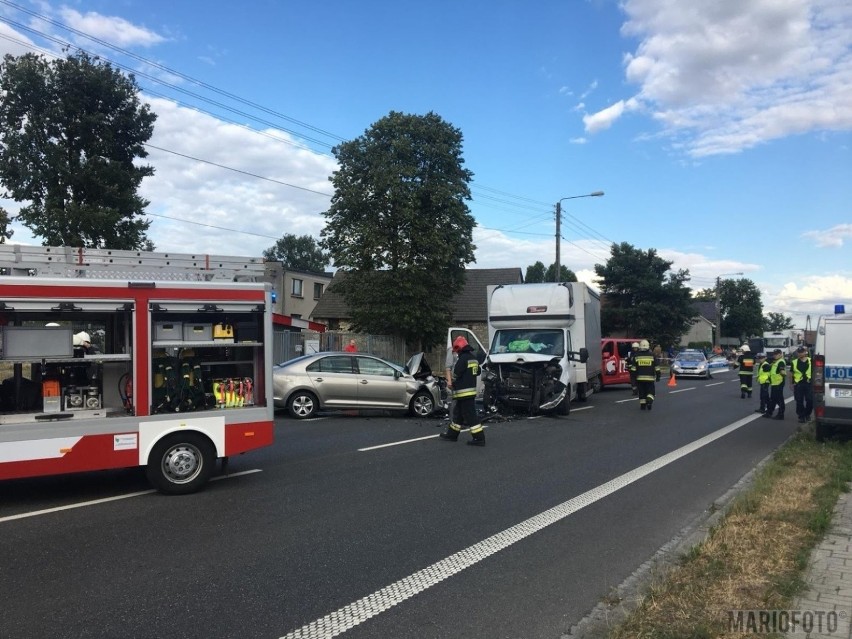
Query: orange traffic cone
point(672, 380)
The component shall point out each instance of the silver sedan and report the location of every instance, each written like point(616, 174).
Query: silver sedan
point(333, 380)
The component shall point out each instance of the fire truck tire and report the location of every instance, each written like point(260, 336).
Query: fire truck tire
point(422, 404)
point(302, 404)
point(181, 463)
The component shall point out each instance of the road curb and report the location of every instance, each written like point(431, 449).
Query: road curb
point(627, 596)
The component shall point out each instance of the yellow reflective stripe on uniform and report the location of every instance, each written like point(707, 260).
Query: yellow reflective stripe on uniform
point(473, 365)
point(465, 392)
point(476, 429)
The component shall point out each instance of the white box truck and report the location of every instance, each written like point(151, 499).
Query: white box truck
point(544, 346)
point(832, 373)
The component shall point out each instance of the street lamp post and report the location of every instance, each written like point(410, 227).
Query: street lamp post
point(718, 341)
point(559, 225)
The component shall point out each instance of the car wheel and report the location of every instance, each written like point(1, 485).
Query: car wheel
point(823, 431)
point(302, 405)
point(181, 463)
point(422, 404)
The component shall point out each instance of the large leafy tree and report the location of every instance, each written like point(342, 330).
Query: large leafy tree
point(740, 307)
point(399, 225)
point(70, 132)
point(642, 297)
point(5, 231)
point(301, 253)
point(777, 322)
point(536, 274)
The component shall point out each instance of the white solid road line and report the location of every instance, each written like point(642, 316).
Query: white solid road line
point(95, 502)
point(386, 598)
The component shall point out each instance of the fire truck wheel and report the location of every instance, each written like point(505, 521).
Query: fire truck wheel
point(181, 463)
point(422, 404)
point(564, 407)
point(302, 405)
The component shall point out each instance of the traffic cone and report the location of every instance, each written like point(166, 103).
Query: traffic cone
point(672, 380)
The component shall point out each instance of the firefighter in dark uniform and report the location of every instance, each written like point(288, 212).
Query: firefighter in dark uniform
point(803, 392)
point(647, 369)
point(777, 374)
point(465, 372)
point(763, 368)
point(634, 348)
point(745, 363)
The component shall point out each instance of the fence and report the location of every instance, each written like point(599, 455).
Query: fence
point(289, 344)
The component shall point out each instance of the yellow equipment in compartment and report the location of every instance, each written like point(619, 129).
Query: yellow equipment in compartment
point(223, 333)
point(233, 392)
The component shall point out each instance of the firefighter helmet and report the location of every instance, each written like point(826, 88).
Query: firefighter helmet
point(81, 338)
point(459, 343)
point(745, 349)
point(634, 345)
point(644, 345)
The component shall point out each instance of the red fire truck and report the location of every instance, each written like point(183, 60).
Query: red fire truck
point(112, 359)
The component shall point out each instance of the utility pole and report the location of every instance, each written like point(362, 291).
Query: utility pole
point(558, 236)
point(558, 274)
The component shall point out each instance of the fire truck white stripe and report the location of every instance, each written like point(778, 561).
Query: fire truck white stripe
point(36, 449)
point(382, 600)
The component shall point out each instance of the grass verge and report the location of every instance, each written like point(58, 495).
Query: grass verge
point(755, 558)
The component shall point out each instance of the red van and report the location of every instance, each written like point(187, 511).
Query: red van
point(614, 351)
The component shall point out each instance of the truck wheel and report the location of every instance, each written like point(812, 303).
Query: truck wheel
point(597, 384)
point(422, 404)
point(181, 463)
point(581, 392)
point(564, 407)
point(302, 405)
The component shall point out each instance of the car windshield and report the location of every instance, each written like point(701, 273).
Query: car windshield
point(543, 342)
point(691, 357)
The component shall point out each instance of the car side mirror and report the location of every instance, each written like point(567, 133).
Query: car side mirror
point(584, 355)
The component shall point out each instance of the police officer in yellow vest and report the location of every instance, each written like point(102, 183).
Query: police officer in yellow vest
point(763, 368)
point(803, 392)
point(777, 374)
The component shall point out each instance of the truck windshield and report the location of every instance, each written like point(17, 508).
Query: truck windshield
point(776, 342)
point(543, 342)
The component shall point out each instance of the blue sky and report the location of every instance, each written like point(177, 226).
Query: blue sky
point(720, 132)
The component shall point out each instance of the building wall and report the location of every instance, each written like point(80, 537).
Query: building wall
point(700, 331)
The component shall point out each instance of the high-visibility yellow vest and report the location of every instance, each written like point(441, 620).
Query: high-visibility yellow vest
point(777, 378)
point(797, 374)
point(763, 373)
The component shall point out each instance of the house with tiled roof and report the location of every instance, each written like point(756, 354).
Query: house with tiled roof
point(469, 307)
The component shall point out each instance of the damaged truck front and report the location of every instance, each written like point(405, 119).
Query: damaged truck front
point(544, 347)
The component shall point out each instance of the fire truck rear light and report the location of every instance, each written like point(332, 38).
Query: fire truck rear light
point(249, 433)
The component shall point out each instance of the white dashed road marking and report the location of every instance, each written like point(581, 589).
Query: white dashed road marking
point(95, 502)
point(382, 600)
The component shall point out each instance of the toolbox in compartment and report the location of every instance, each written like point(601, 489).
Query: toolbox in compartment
point(168, 331)
point(198, 332)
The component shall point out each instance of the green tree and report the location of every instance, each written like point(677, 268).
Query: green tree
point(300, 253)
point(5, 231)
point(642, 297)
point(399, 225)
point(70, 133)
point(777, 322)
point(536, 274)
point(741, 308)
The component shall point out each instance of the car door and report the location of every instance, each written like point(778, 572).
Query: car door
point(380, 385)
point(334, 380)
point(479, 351)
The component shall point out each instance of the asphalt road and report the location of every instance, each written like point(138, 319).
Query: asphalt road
point(370, 526)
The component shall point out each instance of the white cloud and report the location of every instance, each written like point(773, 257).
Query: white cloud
point(832, 238)
point(811, 296)
point(117, 31)
point(604, 118)
point(724, 76)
